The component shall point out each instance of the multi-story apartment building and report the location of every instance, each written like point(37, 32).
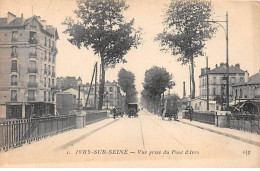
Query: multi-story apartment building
point(27, 67)
point(217, 83)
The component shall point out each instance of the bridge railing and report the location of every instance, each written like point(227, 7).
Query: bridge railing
point(205, 117)
point(14, 133)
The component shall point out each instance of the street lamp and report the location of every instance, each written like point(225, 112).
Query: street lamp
point(227, 65)
point(79, 81)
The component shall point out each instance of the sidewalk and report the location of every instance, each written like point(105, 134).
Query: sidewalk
point(251, 138)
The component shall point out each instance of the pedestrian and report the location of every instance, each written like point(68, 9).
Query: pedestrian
point(191, 112)
point(114, 112)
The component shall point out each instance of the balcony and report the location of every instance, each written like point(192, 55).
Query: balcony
point(14, 69)
point(31, 98)
point(32, 70)
point(14, 83)
point(32, 84)
point(14, 99)
point(14, 55)
point(14, 39)
point(33, 55)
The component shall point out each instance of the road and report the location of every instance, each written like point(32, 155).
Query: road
point(146, 141)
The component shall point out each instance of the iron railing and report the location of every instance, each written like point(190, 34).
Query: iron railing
point(14, 133)
point(205, 117)
point(94, 116)
point(246, 122)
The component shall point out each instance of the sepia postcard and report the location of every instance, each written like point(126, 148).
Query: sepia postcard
point(129, 84)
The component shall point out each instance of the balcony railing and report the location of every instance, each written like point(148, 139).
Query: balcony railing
point(14, 83)
point(14, 39)
point(14, 54)
point(14, 69)
point(33, 55)
point(31, 98)
point(14, 99)
point(32, 84)
point(32, 70)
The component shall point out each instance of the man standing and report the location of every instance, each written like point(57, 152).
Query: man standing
point(114, 112)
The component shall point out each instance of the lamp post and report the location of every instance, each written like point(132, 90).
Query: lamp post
point(79, 81)
point(227, 64)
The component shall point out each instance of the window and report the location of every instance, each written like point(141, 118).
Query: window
point(33, 38)
point(45, 69)
point(14, 65)
point(241, 79)
point(15, 36)
point(214, 91)
point(241, 93)
point(214, 80)
point(236, 93)
point(232, 80)
point(52, 82)
point(111, 89)
point(45, 41)
point(49, 69)
point(49, 82)
point(14, 49)
point(49, 43)
point(14, 80)
point(49, 96)
point(45, 96)
point(53, 97)
point(49, 57)
point(45, 55)
point(45, 81)
point(13, 95)
point(31, 95)
point(111, 95)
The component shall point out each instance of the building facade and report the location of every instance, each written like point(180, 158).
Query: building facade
point(249, 90)
point(217, 83)
point(27, 67)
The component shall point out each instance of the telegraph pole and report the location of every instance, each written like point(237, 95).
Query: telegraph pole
point(207, 69)
point(95, 96)
point(227, 65)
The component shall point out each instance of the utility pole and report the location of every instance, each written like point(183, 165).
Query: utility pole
point(95, 96)
point(227, 65)
point(207, 69)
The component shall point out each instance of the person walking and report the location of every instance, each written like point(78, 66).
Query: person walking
point(114, 112)
point(191, 112)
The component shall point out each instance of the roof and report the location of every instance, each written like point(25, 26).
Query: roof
point(253, 80)
point(18, 22)
point(222, 70)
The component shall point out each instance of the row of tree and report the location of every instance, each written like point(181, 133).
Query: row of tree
point(101, 25)
point(155, 83)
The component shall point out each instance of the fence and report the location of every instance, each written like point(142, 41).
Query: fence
point(94, 116)
point(205, 117)
point(246, 122)
point(14, 133)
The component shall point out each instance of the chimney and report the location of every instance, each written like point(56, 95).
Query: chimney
point(10, 17)
point(21, 15)
point(43, 23)
point(237, 66)
point(216, 65)
point(184, 91)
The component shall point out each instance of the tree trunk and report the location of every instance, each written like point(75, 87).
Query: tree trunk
point(102, 84)
point(192, 79)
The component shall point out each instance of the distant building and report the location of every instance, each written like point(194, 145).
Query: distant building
point(66, 82)
point(112, 94)
point(217, 84)
point(65, 102)
point(27, 67)
point(249, 90)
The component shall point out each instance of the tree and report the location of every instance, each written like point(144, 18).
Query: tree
point(102, 26)
point(126, 81)
point(155, 83)
point(186, 31)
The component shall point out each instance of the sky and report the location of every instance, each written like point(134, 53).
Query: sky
point(244, 39)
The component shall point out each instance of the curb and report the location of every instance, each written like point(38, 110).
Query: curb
point(225, 134)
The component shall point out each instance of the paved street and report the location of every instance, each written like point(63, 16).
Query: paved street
point(146, 141)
